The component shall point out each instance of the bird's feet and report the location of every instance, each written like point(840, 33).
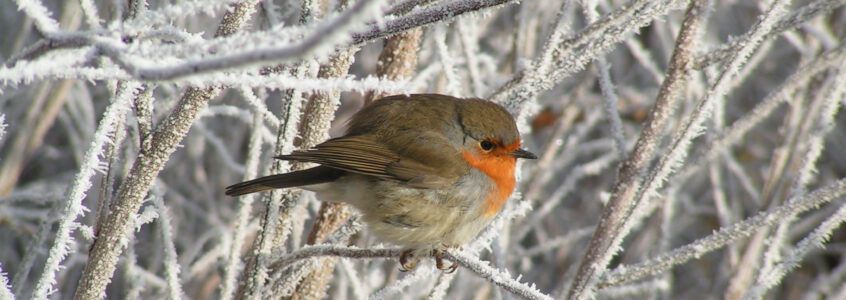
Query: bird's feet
point(408, 261)
point(439, 262)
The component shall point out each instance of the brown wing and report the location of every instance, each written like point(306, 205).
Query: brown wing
point(311, 176)
point(363, 155)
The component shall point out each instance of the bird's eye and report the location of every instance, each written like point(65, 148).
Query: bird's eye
point(486, 145)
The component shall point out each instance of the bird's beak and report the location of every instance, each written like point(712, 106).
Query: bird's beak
point(520, 153)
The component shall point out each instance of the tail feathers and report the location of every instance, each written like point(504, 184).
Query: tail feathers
point(298, 178)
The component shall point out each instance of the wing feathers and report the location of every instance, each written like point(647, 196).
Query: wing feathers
point(299, 178)
point(362, 155)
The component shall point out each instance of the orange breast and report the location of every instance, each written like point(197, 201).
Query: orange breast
point(499, 166)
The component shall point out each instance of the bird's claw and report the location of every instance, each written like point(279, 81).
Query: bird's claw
point(408, 261)
point(439, 262)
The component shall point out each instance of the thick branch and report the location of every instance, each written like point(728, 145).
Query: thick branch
point(155, 152)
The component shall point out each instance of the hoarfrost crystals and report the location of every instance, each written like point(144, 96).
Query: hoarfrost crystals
point(73, 205)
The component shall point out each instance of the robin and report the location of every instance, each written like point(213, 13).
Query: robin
point(427, 171)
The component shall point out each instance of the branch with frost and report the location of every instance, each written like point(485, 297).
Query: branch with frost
point(774, 267)
point(406, 6)
point(427, 16)
point(5, 289)
point(3, 126)
point(48, 68)
point(609, 93)
point(308, 252)
point(806, 139)
point(38, 12)
point(171, 262)
point(724, 236)
point(233, 265)
point(495, 276)
point(676, 155)
point(400, 285)
point(464, 259)
point(484, 240)
point(314, 129)
point(154, 153)
point(278, 209)
point(324, 40)
point(638, 290)
point(788, 22)
point(816, 239)
point(145, 19)
point(573, 54)
point(38, 245)
point(468, 36)
point(442, 284)
point(339, 33)
point(782, 94)
point(92, 17)
point(143, 23)
point(259, 109)
point(278, 219)
point(453, 80)
point(73, 205)
point(631, 172)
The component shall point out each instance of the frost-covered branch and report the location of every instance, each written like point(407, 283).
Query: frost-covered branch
point(334, 34)
point(608, 233)
point(464, 259)
point(154, 153)
point(788, 22)
point(5, 289)
point(724, 236)
point(73, 204)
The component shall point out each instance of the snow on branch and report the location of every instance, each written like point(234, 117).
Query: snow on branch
point(73, 208)
point(464, 259)
point(5, 289)
point(36, 10)
point(782, 94)
point(3, 126)
point(322, 40)
point(47, 68)
point(571, 55)
point(610, 230)
point(502, 279)
point(788, 22)
point(724, 236)
point(827, 103)
point(427, 16)
point(171, 262)
point(167, 13)
point(815, 240)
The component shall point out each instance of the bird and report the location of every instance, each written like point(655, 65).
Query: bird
point(427, 172)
